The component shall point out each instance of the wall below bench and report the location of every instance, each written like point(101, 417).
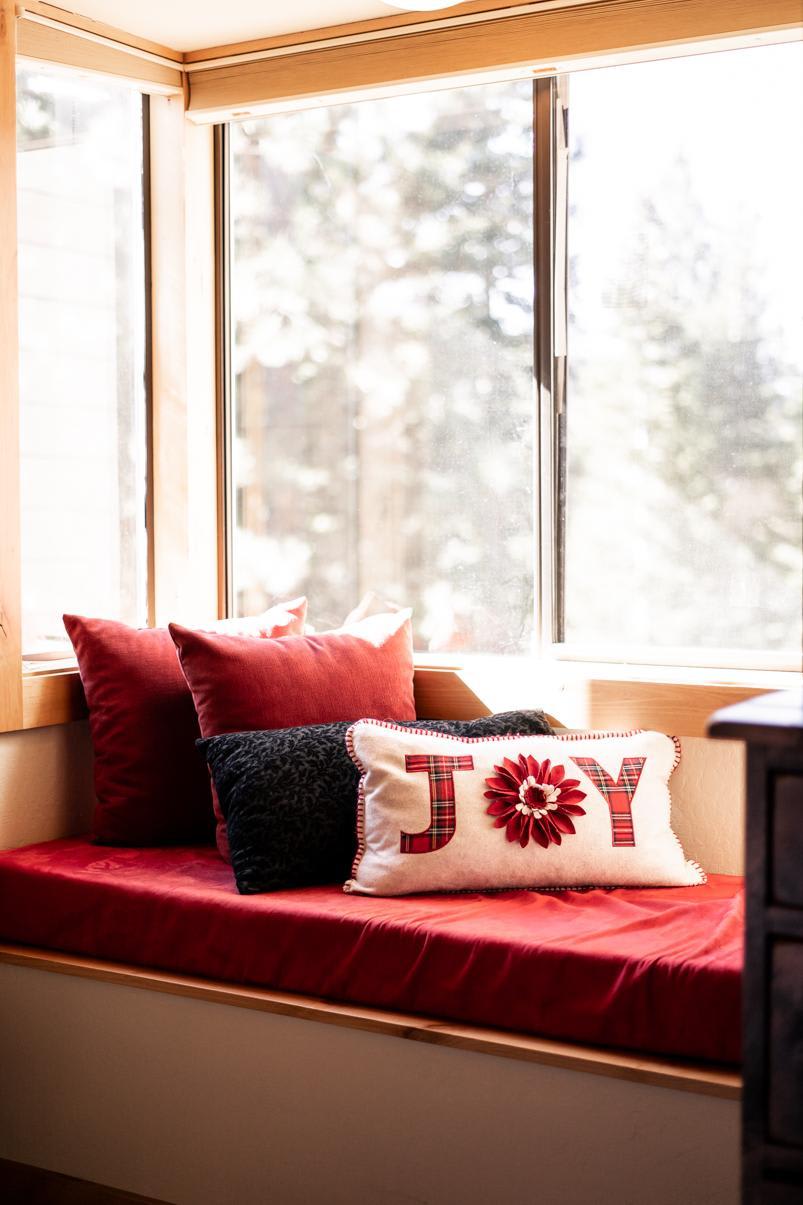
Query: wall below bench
point(45, 784)
point(201, 1104)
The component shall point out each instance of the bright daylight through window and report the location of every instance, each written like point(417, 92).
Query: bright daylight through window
point(684, 425)
point(383, 345)
point(82, 352)
point(384, 419)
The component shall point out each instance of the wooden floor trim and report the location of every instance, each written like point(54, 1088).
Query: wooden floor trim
point(645, 1069)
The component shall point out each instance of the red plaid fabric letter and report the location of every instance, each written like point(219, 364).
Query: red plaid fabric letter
point(442, 822)
point(618, 795)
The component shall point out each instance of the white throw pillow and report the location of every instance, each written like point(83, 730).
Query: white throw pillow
point(445, 813)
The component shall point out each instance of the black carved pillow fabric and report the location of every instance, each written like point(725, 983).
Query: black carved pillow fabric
point(290, 796)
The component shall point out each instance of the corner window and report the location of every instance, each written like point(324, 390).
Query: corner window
point(410, 413)
point(82, 352)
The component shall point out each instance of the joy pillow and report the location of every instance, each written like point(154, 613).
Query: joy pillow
point(446, 813)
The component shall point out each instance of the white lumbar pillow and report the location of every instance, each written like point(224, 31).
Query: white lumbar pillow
point(446, 813)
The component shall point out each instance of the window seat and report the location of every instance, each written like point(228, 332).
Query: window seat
point(654, 970)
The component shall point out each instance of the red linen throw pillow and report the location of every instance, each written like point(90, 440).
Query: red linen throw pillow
point(241, 685)
point(152, 785)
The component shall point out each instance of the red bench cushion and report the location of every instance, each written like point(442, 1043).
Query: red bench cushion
point(656, 969)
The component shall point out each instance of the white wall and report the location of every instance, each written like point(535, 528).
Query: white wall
point(45, 784)
point(708, 798)
point(203, 1104)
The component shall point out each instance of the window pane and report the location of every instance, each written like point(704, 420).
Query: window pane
point(685, 430)
point(382, 332)
point(82, 313)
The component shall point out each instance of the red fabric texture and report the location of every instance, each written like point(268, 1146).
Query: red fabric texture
point(242, 685)
point(656, 970)
point(151, 783)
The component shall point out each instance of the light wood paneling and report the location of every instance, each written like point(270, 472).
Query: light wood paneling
point(109, 32)
point(514, 43)
point(351, 29)
point(52, 699)
point(44, 43)
point(581, 697)
point(10, 652)
point(183, 454)
point(617, 1064)
point(680, 708)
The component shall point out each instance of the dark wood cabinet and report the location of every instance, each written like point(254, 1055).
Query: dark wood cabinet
point(772, 1112)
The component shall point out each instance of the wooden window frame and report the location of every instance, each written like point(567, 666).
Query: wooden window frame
point(180, 351)
point(11, 703)
point(482, 39)
point(468, 45)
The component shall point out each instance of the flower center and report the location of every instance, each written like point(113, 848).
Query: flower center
point(537, 798)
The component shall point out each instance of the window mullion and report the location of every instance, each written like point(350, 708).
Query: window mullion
point(550, 338)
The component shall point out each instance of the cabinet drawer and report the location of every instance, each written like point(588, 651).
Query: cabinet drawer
point(786, 1045)
point(773, 1193)
point(787, 839)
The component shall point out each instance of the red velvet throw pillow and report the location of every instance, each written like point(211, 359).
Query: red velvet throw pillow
point(239, 685)
point(152, 785)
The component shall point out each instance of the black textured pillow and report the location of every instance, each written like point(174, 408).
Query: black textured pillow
point(290, 796)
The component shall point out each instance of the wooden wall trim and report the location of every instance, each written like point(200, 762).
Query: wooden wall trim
point(570, 700)
point(585, 697)
point(396, 21)
point(10, 613)
point(46, 43)
point(645, 1069)
point(548, 38)
point(52, 699)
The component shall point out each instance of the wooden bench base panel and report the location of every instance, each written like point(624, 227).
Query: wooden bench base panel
point(643, 1069)
point(140, 1081)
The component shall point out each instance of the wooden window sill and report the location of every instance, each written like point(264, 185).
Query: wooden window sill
point(645, 1069)
point(53, 697)
point(574, 696)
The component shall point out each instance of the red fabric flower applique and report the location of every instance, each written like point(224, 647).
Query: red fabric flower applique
point(533, 801)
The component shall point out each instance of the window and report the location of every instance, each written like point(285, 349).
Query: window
point(684, 428)
point(383, 416)
point(82, 352)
